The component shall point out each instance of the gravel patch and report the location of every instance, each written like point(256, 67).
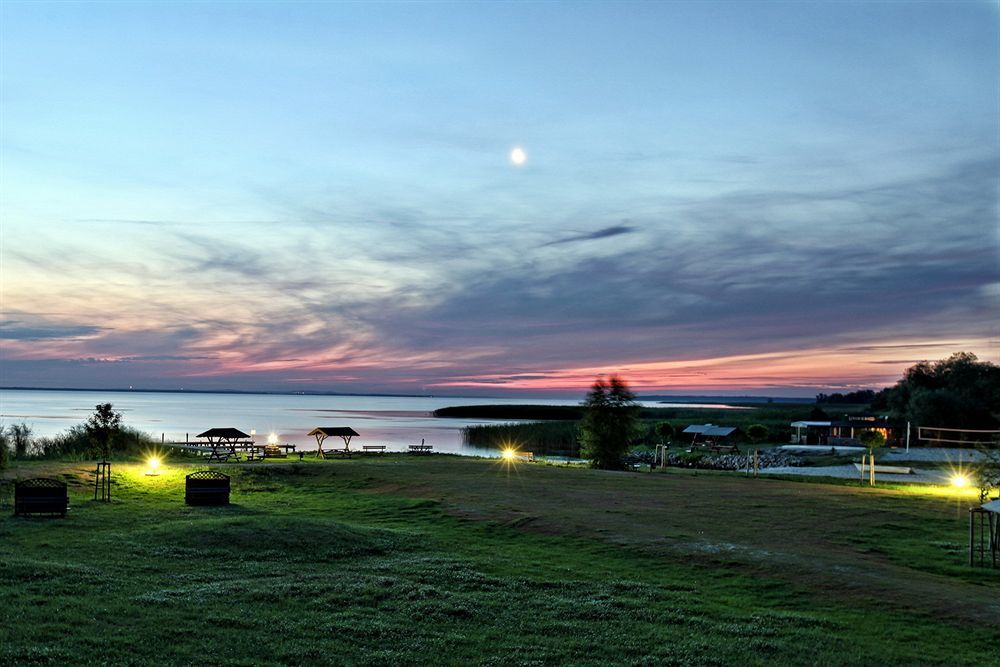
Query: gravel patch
point(950, 455)
point(850, 472)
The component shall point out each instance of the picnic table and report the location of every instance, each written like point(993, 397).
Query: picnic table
point(421, 449)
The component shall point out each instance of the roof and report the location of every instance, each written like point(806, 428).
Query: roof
point(333, 430)
point(992, 506)
point(223, 433)
point(806, 424)
point(710, 430)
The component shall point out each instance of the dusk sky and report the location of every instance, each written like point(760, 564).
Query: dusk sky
point(770, 198)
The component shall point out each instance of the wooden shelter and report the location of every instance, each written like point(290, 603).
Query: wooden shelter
point(321, 433)
point(223, 443)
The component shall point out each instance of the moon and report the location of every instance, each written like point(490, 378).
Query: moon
point(518, 156)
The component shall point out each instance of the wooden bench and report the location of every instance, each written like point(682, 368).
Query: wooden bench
point(421, 449)
point(206, 487)
point(40, 496)
point(373, 449)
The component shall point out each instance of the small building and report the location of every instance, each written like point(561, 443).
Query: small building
point(710, 433)
point(845, 431)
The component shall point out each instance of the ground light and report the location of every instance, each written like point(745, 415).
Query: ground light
point(959, 481)
point(153, 466)
point(508, 454)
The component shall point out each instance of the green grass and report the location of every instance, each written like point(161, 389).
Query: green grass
point(446, 560)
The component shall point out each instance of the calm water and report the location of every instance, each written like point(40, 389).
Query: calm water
point(396, 421)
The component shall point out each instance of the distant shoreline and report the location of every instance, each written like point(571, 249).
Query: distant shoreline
point(679, 398)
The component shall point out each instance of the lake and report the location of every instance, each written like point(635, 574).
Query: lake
point(395, 421)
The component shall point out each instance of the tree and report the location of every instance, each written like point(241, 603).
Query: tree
point(610, 423)
point(103, 429)
point(957, 392)
point(817, 414)
point(871, 439)
point(665, 431)
point(757, 433)
point(20, 435)
point(986, 473)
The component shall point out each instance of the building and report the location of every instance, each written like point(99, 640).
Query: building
point(845, 431)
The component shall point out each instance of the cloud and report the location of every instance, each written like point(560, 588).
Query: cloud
point(16, 330)
point(403, 296)
point(607, 232)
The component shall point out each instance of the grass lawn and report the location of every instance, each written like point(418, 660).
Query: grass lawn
point(446, 560)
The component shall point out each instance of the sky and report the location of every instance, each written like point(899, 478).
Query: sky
point(717, 198)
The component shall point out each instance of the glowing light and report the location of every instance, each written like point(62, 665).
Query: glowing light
point(508, 454)
point(272, 439)
point(959, 481)
point(153, 465)
point(518, 156)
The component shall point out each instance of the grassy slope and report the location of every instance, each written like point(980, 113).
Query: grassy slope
point(447, 560)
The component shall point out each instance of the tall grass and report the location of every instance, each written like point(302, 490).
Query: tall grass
point(554, 438)
point(75, 444)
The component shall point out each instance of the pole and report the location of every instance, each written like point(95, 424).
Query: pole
point(871, 468)
point(861, 480)
point(972, 537)
point(907, 436)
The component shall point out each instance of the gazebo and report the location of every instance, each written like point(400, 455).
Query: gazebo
point(323, 432)
point(224, 442)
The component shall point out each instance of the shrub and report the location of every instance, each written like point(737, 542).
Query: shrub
point(665, 431)
point(4, 452)
point(20, 437)
point(757, 433)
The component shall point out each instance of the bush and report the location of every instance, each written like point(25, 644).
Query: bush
point(664, 431)
point(20, 437)
point(75, 443)
point(757, 433)
point(4, 451)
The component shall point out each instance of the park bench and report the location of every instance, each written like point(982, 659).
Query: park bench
point(40, 496)
point(206, 487)
point(373, 449)
point(421, 449)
